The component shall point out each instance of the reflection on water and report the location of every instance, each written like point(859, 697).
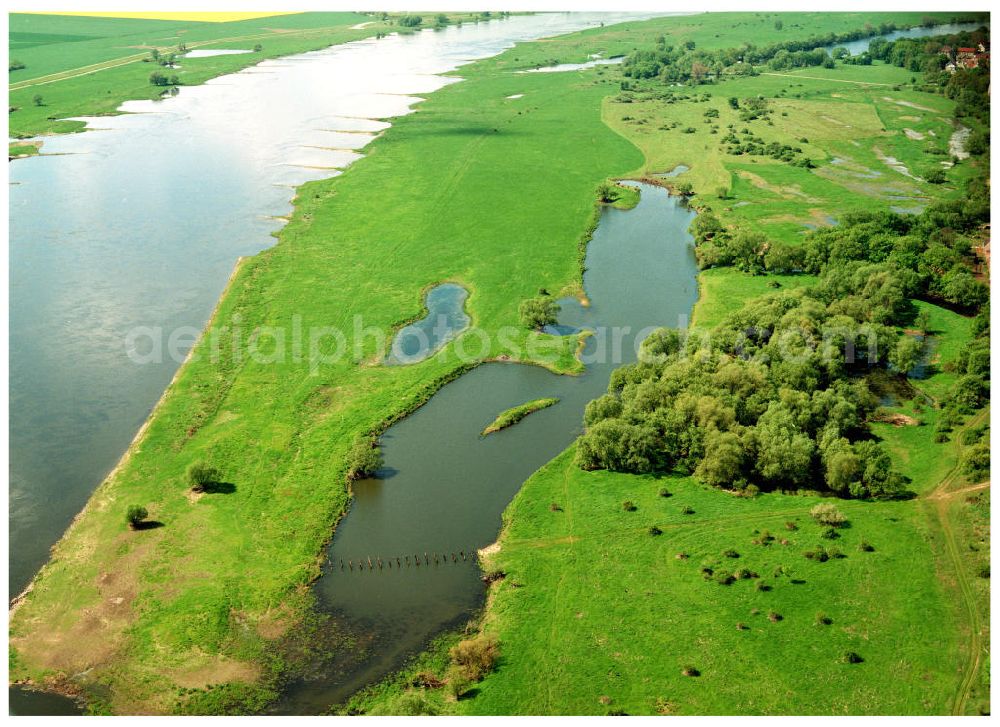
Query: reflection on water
point(445, 319)
point(446, 486)
point(140, 221)
point(857, 47)
point(208, 53)
point(562, 67)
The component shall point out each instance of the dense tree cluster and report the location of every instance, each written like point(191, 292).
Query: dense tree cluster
point(687, 64)
point(774, 396)
point(924, 255)
point(684, 63)
point(770, 399)
point(928, 254)
point(539, 312)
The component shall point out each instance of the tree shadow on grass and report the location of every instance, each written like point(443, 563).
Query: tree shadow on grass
point(217, 488)
point(148, 525)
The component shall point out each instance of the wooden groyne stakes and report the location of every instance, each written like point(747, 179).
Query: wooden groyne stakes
point(403, 561)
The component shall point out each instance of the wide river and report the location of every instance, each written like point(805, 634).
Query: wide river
point(136, 224)
point(139, 222)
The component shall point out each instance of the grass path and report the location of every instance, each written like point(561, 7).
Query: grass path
point(818, 78)
point(943, 497)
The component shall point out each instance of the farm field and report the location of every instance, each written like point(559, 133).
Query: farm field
point(611, 592)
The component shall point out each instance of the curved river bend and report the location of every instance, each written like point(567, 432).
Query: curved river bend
point(138, 223)
point(444, 487)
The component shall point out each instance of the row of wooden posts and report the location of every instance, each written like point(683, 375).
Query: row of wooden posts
point(404, 561)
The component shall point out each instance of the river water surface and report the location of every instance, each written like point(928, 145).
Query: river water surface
point(140, 221)
point(137, 223)
point(857, 47)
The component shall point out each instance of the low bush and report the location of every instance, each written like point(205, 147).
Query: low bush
point(826, 513)
point(135, 515)
point(475, 657)
point(364, 459)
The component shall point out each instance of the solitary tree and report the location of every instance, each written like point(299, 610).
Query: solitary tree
point(905, 354)
point(135, 515)
point(38, 99)
point(200, 476)
point(607, 192)
point(364, 459)
point(538, 312)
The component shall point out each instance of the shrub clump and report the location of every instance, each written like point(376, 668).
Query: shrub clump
point(826, 513)
point(364, 459)
point(135, 515)
point(476, 657)
point(200, 476)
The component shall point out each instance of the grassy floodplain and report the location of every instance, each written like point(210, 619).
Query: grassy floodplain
point(603, 608)
point(201, 614)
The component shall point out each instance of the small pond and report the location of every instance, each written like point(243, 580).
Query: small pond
point(445, 319)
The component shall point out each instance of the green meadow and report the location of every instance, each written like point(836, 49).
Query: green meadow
point(596, 613)
point(604, 607)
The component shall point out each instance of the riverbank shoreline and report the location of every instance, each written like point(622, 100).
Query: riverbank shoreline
point(177, 397)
